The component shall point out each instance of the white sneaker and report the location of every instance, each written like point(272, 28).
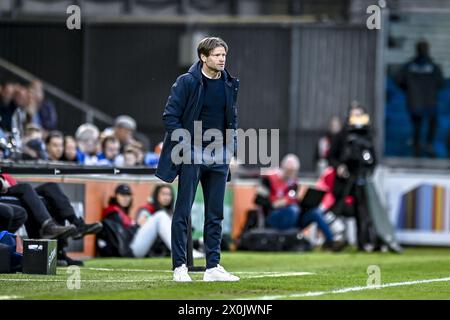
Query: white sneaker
point(180, 274)
point(219, 274)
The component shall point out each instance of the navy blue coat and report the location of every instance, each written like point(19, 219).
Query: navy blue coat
point(183, 107)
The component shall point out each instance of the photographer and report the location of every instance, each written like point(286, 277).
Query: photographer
point(352, 156)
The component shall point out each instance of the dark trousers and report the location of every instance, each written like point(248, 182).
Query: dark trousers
point(57, 206)
point(213, 180)
point(57, 203)
point(417, 121)
point(12, 217)
point(37, 212)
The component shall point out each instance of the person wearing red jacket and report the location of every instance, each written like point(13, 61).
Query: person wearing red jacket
point(278, 193)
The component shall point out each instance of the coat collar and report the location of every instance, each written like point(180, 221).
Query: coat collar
point(196, 71)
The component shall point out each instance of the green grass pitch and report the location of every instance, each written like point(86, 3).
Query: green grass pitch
point(419, 273)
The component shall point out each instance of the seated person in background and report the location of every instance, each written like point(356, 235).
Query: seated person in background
point(54, 145)
point(124, 127)
point(151, 158)
point(279, 195)
point(154, 219)
point(39, 223)
point(70, 149)
point(87, 138)
point(34, 150)
point(42, 217)
point(110, 151)
point(46, 110)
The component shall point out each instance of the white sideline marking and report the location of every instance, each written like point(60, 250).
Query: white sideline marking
point(351, 289)
point(286, 274)
point(259, 273)
point(126, 270)
point(10, 297)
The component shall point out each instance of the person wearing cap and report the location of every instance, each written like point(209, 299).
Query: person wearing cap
point(124, 128)
point(137, 238)
point(206, 93)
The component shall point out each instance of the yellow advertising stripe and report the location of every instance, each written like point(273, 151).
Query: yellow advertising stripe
point(438, 200)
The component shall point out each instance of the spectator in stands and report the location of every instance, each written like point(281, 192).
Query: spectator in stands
point(325, 142)
point(42, 215)
point(45, 109)
point(421, 79)
point(70, 149)
point(110, 151)
point(34, 150)
point(20, 116)
point(7, 105)
point(129, 158)
point(32, 132)
point(151, 158)
point(279, 195)
point(54, 144)
point(87, 136)
point(124, 128)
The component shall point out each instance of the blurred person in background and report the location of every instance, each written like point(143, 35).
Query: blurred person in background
point(54, 144)
point(151, 158)
point(353, 159)
point(325, 142)
point(279, 195)
point(33, 131)
point(70, 149)
point(20, 117)
point(110, 151)
point(421, 79)
point(7, 105)
point(130, 157)
point(124, 128)
point(40, 224)
point(87, 138)
point(45, 109)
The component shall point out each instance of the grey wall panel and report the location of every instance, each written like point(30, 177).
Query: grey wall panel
point(337, 66)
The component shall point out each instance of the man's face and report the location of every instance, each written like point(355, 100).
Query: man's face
point(112, 149)
point(216, 59)
point(8, 91)
point(70, 149)
point(124, 134)
point(290, 168)
point(22, 97)
point(55, 148)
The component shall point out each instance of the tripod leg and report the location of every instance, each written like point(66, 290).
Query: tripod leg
point(189, 251)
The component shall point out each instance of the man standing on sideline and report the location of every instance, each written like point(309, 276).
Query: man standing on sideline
point(207, 93)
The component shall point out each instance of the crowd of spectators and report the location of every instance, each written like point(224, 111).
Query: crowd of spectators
point(29, 131)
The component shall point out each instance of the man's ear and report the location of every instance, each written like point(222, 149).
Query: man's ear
point(203, 58)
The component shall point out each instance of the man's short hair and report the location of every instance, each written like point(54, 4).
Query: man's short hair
point(125, 121)
point(208, 44)
point(87, 131)
point(54, 134)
